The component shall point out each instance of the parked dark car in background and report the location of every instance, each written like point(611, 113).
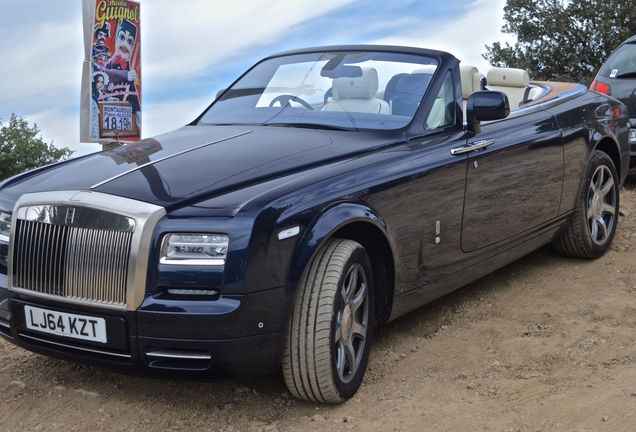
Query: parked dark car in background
point(617, 78)
point(325, 193)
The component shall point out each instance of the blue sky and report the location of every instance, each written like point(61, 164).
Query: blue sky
point(193, 48)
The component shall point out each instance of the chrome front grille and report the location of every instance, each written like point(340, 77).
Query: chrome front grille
point(82, 247)
point(75, 263)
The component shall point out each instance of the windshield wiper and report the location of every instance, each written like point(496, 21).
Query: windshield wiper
point(626, 75)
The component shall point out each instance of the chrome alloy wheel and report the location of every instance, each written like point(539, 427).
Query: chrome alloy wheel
point(352, 322)
point(601, 205)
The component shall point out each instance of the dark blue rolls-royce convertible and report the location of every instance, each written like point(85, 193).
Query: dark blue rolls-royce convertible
point(324, 193)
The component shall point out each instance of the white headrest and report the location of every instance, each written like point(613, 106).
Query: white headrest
point(428, 69)
point(364, 87)
point(508, 77)
point(469, 76)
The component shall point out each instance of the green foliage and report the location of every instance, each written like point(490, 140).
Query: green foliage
point(21, 149)
point(562, 40)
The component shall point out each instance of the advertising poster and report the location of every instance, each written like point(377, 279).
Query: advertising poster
point(111, 78)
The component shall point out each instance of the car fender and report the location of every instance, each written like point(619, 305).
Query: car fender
point(326, 226)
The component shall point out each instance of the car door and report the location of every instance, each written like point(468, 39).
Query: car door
point(422, 206)
point(514, 183)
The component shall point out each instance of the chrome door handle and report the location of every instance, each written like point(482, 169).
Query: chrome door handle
point(477, 145)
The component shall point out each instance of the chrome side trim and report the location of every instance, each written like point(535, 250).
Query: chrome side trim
point(182, 355)
point(193, 262)
point(127, 356)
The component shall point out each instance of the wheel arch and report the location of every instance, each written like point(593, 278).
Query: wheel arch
point(361, 224)
point(610, 147)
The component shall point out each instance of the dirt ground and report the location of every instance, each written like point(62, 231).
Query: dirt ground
point(546, 343)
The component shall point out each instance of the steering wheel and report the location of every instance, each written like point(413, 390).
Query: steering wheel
point(286, 98)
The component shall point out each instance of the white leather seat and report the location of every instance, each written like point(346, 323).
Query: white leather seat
point(512, 82)
point(357, 94)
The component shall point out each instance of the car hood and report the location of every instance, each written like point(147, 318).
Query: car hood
point(196, 162)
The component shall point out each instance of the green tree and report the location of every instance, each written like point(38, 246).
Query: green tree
point(22, 149)
point(562, 40)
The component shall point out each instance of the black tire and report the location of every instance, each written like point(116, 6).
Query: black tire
point(331, 325)
point(593, 224)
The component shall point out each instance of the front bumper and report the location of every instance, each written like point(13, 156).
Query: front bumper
point(227, 338)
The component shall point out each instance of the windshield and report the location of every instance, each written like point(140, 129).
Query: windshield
point(334, 90)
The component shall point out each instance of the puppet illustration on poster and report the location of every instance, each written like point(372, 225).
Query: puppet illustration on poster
point(113, 67)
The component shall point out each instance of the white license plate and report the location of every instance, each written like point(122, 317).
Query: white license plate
point(65, 324)
point(632, 135)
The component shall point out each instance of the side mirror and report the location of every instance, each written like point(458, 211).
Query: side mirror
point(485, 105)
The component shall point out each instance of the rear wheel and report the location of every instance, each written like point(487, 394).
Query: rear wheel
point(594, 223)
point(329, 337)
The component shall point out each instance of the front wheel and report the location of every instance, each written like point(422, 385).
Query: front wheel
point(594, 223)
point(331, 325)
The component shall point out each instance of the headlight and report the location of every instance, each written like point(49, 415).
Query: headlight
point(194, 249)
point(5, 226)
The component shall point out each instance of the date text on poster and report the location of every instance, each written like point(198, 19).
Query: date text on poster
point(117, 118)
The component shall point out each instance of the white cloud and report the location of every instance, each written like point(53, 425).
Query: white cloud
point(465, 37)
point(39, 78)
point(62, 128)
point(193, 37)
point(41, 63)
